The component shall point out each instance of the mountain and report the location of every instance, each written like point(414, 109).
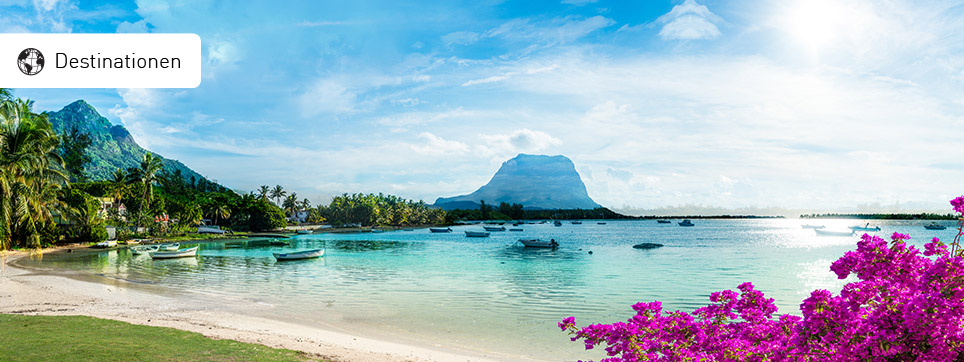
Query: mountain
point(111, 146)
point(535, 181)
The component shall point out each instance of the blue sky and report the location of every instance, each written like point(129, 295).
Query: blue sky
point(809, 104)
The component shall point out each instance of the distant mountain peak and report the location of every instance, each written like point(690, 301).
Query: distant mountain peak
point(535, 181)
point(112, 146)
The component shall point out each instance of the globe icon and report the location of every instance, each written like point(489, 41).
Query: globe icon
point(31, 61)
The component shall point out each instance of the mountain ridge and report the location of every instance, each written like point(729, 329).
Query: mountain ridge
point(535, 181)
point(112, 146)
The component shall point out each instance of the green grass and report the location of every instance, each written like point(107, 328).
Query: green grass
point(79, 338)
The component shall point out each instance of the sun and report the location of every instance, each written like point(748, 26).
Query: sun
point(815, 23)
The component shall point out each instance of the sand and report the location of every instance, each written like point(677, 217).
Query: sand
point(29, 292)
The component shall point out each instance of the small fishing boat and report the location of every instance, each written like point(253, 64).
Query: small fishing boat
point(440, 230)
point(577, 222)
point(494, 228)
point(600, 223)
point(169, 247)
point(139, 250)
point(864, 228)
point(377, 231)
point(516, 229)
point(686, 222)
point(808, 226)
point(539, 243)
point(647, 246)
point(476, 234)
point(182, 253)
point(557, 223)
point(105, 244)
point(821, 232)
point(663, 221)
point(304, 231)
point(935, 226)
point(307, 254)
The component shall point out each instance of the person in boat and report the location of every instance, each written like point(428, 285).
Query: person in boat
point(553, 242)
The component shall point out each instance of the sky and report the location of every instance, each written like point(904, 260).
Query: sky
point(794, 104)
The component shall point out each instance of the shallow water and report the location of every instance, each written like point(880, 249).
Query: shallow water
point(493, 295)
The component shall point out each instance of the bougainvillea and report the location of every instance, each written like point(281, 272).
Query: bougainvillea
point(907, 305)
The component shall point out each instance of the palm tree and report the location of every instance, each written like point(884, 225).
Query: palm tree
point(291, 204)
point(31, 173)
point(305, 204)
point(264, 191)
point(118, 185)
point(218, 211)
point(146, 175)
point(277, 193)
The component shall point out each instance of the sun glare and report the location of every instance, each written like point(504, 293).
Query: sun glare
point(815, 23)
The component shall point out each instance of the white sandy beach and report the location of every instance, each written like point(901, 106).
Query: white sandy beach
point(27, 292)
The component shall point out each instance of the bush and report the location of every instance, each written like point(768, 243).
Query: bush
point(907, 305)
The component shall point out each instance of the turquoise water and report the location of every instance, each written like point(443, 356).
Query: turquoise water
point(491, 294)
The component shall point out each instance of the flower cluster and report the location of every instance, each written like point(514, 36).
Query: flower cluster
point(908, 305)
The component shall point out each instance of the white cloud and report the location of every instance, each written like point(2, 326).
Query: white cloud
point(523, 140)
point(460, 38)
point(139, 26)
point(689, 21)
point(327, 96)
point(435, 145)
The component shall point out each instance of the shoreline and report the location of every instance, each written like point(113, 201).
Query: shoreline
point(35, 292)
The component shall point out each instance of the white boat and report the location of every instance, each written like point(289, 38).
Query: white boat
point(686, 222)
point(106, 244)
point(440, 230)
point(182, 253)
point(864, 228)
point(210, 229)
point(169, 247)
point(476, 234)
point(808, 226)
point(304, 231)
point(377, 231)
point(298, 255)
point(138, 250)
point(822, 232)
point(494, 228)
point(539, 243)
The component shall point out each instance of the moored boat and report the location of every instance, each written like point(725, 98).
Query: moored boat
point(647, 246)
point(935, 226)
point(808, 226)
point(105, 244)
point(210, 229)
point(476, 234)
point(557, 223)
point(440, 230)
point(139, 250)
point(864, 228)
point(822, 232)
point(686, 222)
point(516, 229)
point(169, 247)
point(577, 222)
point(600, 223)
point(663, 221)
point(494, 228)
point(539, 243)
point(306, 254)
point(304, 231)
point(182, 253)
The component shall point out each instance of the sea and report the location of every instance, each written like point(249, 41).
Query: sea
point(492, 296)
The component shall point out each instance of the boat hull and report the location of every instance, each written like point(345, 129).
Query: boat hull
point(476, 234)
point(185, 253)
point(446, 230)
point(647, 246)
point(935, 227)
point(538, 243)
point(301, 255)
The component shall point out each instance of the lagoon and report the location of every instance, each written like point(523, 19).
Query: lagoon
point(491, 295)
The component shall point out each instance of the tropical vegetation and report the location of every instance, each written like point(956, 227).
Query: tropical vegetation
point(907, 304)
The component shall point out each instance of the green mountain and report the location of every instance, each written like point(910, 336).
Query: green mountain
point(111, 146)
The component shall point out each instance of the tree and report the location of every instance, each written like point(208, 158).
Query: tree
point(264, 191)
point(73, 150)
point(146, 176)
point(290, 204)
point(30, 172)
point(118, 185)
point(277, 193)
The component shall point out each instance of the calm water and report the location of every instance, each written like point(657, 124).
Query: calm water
point(491, 294)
